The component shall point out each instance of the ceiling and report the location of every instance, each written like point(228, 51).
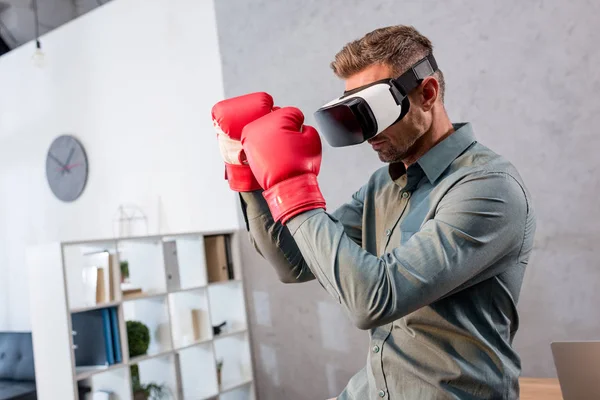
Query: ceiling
point(17, 19)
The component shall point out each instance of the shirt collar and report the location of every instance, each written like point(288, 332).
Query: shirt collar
point(439, 157)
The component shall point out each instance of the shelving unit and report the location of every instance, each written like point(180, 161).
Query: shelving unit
point(186, 289)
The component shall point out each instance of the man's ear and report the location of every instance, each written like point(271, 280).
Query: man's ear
point(429, 91)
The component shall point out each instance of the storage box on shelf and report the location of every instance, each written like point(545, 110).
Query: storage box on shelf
point(139, 316)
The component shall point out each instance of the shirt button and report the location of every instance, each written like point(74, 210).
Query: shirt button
point(382, 393)
point(375, 349)
point(388, 232)
point(405, 195)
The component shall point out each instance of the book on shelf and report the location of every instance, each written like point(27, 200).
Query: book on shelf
point(98, 276)
point(116, 338)
point(218, 258)
point(128, 290)
point(96, 338)
point(171, 265)
point(100, 286)
point(108, 341)
point(197, 323)
point(228, 256)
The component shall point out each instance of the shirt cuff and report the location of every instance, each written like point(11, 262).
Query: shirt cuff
point(254, 204)
point(294, 224)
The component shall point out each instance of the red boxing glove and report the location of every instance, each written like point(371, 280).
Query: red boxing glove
point(229, 118)
point(285, 157)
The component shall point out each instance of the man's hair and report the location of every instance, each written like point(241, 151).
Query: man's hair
point(398, 46)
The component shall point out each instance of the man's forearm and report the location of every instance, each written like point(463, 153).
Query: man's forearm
point(273, 241)
point(477, 222)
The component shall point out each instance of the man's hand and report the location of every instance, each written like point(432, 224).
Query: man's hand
point(285, 156)
point(229, 118)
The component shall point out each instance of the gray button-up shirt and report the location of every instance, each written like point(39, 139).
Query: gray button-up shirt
point(430, 260)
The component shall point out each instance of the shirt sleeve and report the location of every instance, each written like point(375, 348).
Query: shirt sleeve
point(357, 388)
point(274, 242)
point(479, 221)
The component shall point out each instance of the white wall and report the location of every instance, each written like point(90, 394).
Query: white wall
point(135, 81)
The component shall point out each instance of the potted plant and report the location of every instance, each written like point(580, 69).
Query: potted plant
point(219, 369)
point(138, 338)
point(149, 391)
point(124, 271)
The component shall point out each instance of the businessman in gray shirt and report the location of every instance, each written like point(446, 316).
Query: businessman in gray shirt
point(428, 256)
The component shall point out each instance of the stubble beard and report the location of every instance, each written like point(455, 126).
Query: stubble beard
point(393, 154)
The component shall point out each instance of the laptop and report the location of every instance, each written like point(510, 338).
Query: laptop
point(578, 369)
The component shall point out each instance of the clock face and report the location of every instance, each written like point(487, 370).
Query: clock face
point(66, 168)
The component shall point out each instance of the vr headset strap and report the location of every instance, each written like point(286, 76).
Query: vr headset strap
point(415, 75)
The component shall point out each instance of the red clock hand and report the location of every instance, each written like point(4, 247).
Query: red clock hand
point(69, 167)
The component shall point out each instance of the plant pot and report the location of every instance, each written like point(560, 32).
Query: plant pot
point(219, 377)
point(140, 396)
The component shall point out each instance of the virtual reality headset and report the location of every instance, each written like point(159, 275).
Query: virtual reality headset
point(362, 113)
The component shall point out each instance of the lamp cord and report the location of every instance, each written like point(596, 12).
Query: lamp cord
point(37, 24)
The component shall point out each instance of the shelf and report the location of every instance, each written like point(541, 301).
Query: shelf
point(225, 282)
point(160, 370)
point(190, 318)
point(140, 239)
point(96, 307)
point(153, 312)
point(218, 256)
point(197, 233)
point(198, 372)
point(97, 339)
point(187, 284)
point(190, 289)
point(233, 332)
point(185, 262)
point(139, 359)
point(227, 305)
point(86, 372)
point(198, 343)
point(91, 274)
point(235, 386)
point(213, 396)
point(114, 379)
point(234, 352)
point(145, 264)
point(143, 296)
point(151, 237)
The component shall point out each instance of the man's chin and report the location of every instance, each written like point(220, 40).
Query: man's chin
point(387, 157)
point(382, 157)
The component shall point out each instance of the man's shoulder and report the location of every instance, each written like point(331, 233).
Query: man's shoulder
point(480, 159)
point(478, 162)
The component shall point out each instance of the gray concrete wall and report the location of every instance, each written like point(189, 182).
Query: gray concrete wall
point(526, 73)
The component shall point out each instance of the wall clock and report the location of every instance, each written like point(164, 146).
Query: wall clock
point(66, 168)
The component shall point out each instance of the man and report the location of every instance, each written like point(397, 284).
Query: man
point(428, 255)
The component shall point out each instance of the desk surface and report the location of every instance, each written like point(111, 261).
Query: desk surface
point(540, 389)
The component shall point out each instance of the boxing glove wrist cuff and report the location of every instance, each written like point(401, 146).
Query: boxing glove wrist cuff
point(241, 178)
point(293, 196)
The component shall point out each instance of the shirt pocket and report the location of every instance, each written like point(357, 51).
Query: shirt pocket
point(408, 228)
point(405, 236)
